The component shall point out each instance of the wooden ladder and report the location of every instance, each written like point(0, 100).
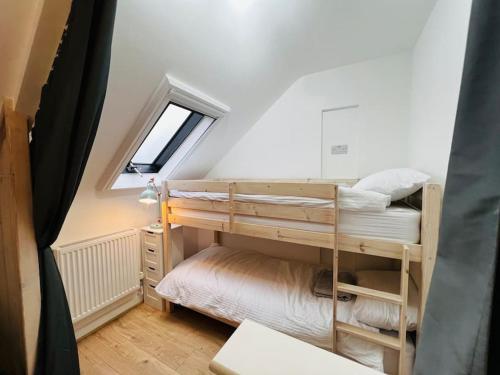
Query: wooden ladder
point(396, 343)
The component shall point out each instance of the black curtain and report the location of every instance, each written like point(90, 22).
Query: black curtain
point(65, 127)
point(462, 312)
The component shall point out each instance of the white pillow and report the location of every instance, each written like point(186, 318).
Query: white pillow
point(398, 183)
point(385, 315)
point(362, 200)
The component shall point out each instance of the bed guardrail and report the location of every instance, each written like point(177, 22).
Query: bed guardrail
point(232, 207)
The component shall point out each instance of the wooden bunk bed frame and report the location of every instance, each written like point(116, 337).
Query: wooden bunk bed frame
point(417, 259)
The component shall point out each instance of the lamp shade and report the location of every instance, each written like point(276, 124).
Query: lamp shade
point(148, 196)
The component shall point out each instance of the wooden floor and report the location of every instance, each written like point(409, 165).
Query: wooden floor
point(145, 341)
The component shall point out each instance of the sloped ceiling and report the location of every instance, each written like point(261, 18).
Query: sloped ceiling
point(244, 53)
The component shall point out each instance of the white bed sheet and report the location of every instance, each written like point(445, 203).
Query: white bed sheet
point(396, 223)
point(350, 199)
point(236, 284)
point(254, 198)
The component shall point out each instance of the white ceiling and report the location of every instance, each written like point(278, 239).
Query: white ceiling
point(244, 53)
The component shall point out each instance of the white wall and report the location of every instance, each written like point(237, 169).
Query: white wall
point(436, 75)
point(286, 141)
point(94, 214)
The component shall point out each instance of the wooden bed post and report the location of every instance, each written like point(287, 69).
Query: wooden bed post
point(335, 268)
point(403, 307)
point(231, 189)
point(431, 217)
point(167, 239)
point(19, 275)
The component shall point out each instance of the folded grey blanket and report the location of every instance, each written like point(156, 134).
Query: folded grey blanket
point(324, 282)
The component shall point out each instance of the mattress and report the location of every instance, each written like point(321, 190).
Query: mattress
point(396, 223)
point(237, 284)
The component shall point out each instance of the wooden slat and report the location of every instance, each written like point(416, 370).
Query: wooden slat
point(199, 185)
point(325, 191)
point(196, 204)
point(370, 293)
point(317, 215)
point(217, 225)
point(376, 338)
point(381, 248)
point(405, 271)
point(303, 237)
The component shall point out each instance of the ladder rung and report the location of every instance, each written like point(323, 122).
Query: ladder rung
point(377, 338)
point(367, 292)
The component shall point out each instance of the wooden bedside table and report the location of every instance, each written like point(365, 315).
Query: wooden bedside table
point(153, 261)
point(152, 265)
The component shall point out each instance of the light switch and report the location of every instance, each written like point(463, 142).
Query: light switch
point(339, 149)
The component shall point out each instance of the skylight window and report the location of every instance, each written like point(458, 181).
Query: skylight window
point(168, 134)
point(173, 123)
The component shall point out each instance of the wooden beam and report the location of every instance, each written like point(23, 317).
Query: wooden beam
point(280, 211)
point(19, 278)
point(197, 204)
point(199, 185)
point(431, 218)
point(303, 237)
point(380, 248)
point(210, 224)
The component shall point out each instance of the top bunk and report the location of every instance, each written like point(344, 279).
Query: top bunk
point(315, 213)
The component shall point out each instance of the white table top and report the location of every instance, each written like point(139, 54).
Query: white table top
point(255, 349)
point(147, 228)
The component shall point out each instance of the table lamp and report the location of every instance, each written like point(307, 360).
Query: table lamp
point(150, 196)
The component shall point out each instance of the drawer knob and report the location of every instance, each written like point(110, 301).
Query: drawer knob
point(151, 250)
point(152, 268)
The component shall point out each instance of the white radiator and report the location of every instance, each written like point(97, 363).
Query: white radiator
point(99, 271)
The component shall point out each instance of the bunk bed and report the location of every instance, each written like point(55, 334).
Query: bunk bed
point(308, 213)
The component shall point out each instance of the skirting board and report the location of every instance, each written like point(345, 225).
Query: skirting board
point(92, 323)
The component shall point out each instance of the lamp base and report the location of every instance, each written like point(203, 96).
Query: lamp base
point(156, 226)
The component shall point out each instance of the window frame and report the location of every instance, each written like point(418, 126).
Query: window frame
point(189, 124)
point(168, 90)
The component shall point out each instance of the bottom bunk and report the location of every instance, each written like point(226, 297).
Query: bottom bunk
point(234, 285)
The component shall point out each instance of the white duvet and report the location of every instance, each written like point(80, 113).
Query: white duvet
point(236, 284)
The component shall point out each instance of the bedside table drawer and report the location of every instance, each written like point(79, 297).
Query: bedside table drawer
point(152, 240)
point(151, 250)
point(150, 296)
point(152, 255)
point(153, 272)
